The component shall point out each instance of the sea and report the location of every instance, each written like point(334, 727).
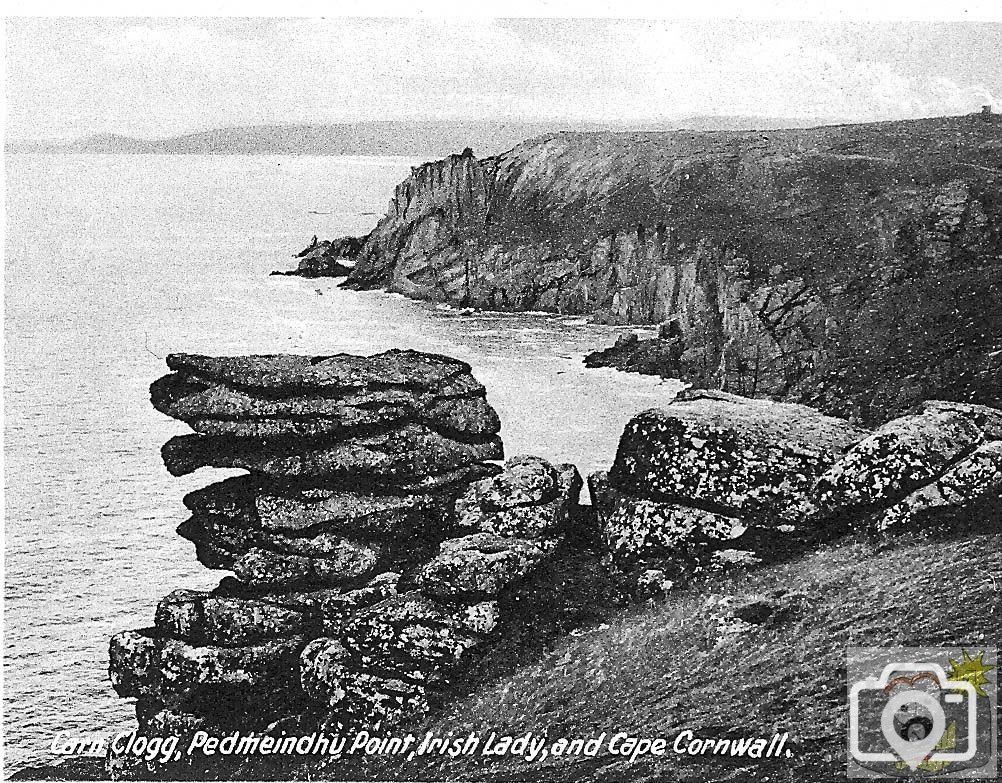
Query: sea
point(114, 261)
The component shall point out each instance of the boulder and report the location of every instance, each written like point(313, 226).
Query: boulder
point(265, 567)
point(269, 559)
point(967, 494)
point(288, 507)
point(479, 566)
point(323, 544)
point(133, 663)
point(547, 500)
point(412, 628)
point(901, 456)
point(217, 409)
point(155, 720)
point(406, 369)
point(638, 531)
point(144, 664)
point(525, 481)
point(330, 676)
point(406, 453)
point(200, 618)
point(737, 456)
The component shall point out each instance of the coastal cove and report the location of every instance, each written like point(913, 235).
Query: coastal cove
point(115, 261)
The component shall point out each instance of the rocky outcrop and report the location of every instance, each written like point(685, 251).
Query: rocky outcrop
point(397, 657)
point(324, 259)
point(938, 467)
point(370, 543)
point(714, 481)
point(855, 268)
point(355, 464)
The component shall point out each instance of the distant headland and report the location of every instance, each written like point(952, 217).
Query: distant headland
point(391, 137)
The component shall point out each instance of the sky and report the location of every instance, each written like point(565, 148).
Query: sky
point(68, 77)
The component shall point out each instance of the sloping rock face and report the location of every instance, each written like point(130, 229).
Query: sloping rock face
point(938, 467)
point(713, 480)
point(368, 544)
point(856, 268)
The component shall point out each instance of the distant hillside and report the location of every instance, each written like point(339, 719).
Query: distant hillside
point(372, 138)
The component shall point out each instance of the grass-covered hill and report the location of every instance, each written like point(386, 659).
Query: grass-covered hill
point(659, 670)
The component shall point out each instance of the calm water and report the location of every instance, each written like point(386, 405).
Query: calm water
point(114, 261)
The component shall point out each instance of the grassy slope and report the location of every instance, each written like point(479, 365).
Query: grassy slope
point(657, 671)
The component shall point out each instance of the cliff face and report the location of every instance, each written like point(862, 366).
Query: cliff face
point(795, 261)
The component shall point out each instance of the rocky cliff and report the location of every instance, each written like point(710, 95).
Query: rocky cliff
point(857, 268)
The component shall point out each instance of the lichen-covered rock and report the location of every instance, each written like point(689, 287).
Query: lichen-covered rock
point(150, 666)
point(332, 606)
point(483, 508)
point(259, 559)
point(265, 567)
point(133, 658)
point(651, 584)
point(479, 566)
point(257, 502)
point(413, 628)
point(899, 457)
point(406, 369)
point(330, 676)
point(355, 464)
point(753, 458)
point(156, 720)
point(404, 453)
point(969, 493)
point(218, 409)
point(372, 515)
point(637, 530)
point(985, 418)
point(525, 481)
point(200, 618)
point(237, 539)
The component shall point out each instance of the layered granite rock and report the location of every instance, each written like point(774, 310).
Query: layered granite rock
point(395, 658)
point(354, 466)
point(369, 544)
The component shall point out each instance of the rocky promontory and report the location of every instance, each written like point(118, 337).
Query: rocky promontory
point(325, 258)
point(856, 268)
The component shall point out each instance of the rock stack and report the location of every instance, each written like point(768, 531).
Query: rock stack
point(713, 479)
point(354, 467)
point(368, 542)
point(395, 658)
